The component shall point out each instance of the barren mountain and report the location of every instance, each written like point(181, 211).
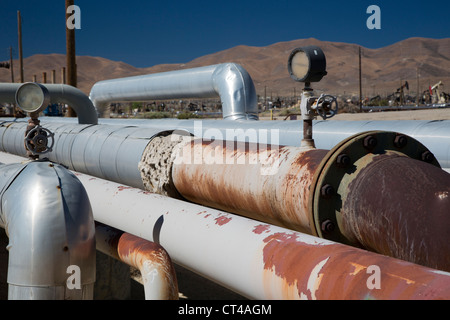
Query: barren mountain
point(419, 61)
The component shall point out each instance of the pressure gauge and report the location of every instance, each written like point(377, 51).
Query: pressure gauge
point(307, 64)
point(32, 97)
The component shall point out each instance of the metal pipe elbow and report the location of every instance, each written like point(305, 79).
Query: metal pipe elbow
point(59, 93)
point(47, 216)
point(237, 92)
point(229, 81)
point(74, 97)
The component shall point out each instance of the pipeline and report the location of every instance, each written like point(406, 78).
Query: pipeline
point(275, 263)
point(47, 216)
point(229, 81)
point(153, 262)
point(59, 93)
point(242, 182)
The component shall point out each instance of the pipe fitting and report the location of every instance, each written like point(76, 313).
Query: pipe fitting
point(47, 216)
point(153, 262)
point(368, 186)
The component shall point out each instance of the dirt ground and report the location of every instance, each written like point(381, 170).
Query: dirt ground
point(430, 114)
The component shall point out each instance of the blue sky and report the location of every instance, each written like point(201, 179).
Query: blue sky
point(146, 33)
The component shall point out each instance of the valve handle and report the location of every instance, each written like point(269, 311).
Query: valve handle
point(39, 140)
point(326, 106)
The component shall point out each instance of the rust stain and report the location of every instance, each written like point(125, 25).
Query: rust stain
point(222, 220)
point(121, 188)
point(261, 228)
point(334, 271)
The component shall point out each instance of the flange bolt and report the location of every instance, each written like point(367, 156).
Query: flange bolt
point(427, 156)
point(370, 142)
point(400, 141)
point(327, 191)
point(327, 226)
point(343, 160)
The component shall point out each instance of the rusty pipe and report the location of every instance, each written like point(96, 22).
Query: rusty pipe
point(153, 262)
point(382, 201)
point(268, 183)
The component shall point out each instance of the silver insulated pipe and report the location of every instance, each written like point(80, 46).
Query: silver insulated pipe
point(47, 216)
point(229, 81)
point(59, 93)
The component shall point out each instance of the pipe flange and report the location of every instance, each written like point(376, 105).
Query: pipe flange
point(335, 168)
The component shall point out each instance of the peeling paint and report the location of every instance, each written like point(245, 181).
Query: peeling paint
point(222, 220)
point(315, 278)
point(261, 228)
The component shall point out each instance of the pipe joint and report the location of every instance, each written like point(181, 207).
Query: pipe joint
point(364, 204)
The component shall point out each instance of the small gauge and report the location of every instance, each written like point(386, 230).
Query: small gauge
point(32, 97)
point(307, 64)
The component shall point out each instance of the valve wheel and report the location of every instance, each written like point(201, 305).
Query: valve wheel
point(39, 140)
point(327, 106)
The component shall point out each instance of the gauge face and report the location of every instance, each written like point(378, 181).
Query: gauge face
point(31, 97)
point(307, 64)
point(300, 65)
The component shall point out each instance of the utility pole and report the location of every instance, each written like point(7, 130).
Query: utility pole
point(11, 64)
point(70, 57)
point(360, 82)
point(19, 31)
point(418, 87)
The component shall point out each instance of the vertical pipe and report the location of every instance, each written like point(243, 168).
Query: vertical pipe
point(153, 262)
point(63, 75)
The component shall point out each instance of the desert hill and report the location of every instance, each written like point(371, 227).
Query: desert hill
point(422, 60)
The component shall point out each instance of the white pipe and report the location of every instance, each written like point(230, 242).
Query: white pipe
point(47, 216)
point(229, 81)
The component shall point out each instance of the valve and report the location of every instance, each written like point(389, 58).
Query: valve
point(308, 64)
point(39, 140)
point(326, 106)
